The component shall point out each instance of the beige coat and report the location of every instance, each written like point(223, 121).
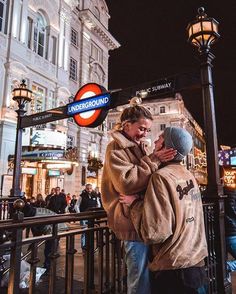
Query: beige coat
point(126, 170)
point(171, 219)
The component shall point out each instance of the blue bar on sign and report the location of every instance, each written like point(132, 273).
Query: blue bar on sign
point(88, 104)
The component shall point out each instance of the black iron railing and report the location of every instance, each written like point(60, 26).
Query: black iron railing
point(102, 258)
point(103, 263)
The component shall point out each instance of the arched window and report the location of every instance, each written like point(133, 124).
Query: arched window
point(3, 8)
point(40, 36)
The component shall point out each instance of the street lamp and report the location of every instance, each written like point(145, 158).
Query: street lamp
point(202, 33)
point(22, 96)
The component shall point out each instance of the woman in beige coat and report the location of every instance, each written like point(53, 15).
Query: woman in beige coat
point(127, 170)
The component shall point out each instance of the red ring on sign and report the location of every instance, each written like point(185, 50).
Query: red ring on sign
point(96, 89)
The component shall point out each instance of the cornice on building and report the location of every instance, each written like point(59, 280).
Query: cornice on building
point(95, 26)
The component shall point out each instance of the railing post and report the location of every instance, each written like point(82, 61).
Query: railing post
point(70, 251)
point(15, 261)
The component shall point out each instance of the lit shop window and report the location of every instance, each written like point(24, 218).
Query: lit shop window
point(38, 102)
point(74, 37)
point(40, 36)
point(73, 69)
point(3, 6)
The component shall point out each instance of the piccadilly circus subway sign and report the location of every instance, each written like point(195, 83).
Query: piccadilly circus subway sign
point(90, 105)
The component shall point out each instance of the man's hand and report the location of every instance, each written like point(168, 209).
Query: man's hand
point(128, 199)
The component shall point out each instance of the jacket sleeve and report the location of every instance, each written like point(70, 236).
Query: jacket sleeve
point(129, 178)
point(153, 217)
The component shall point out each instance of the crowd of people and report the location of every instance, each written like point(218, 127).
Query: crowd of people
point(60, 202)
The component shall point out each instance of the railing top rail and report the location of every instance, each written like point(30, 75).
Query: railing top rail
point(52, 219)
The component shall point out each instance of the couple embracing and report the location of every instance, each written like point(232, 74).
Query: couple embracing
point(154, 205)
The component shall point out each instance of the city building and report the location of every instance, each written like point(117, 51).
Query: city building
point(56, 46)
point(172, 112)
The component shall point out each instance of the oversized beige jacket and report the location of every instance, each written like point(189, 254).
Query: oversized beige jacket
point(171, 219)
point(126, 170)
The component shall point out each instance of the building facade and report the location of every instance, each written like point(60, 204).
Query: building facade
point(172, 112)
point(56, 46)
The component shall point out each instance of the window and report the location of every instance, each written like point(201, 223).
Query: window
point(40, 36)
point(162, 109)
point(3, 6)
point(162, 127)
point(30, 27)
point(51, 100)
point(54, 49)
point(74, 37)
point(73, 69)
point(38, 102)
point(70, 141)
point(96, 53)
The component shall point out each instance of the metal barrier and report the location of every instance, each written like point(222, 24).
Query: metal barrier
point(109, 276)
point(103, 269)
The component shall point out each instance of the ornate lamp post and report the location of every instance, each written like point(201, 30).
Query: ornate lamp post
point(202, 33)
point(22, 96)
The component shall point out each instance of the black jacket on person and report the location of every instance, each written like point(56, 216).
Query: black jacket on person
point(89, 200)
point(57, 203)
point(230, 212)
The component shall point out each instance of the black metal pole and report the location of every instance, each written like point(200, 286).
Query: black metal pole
point(16, 190)
point(214, 190)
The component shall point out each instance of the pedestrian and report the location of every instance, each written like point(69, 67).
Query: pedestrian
point(72, 204)
point(68, 198)
point(170, 219)
point(49, 196)
point(127, 169)
point(39, 201)
point(86, 201)
point(57, 202)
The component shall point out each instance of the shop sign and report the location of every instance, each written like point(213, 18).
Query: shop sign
point(90, 112)
point(29, 170)
point(229, 177)
point(48, 138)
point(54, 173)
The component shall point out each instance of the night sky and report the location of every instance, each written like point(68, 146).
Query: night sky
point(154, 45)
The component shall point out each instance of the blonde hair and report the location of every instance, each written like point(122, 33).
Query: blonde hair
point(133, 113)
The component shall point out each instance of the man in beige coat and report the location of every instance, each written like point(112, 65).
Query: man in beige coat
point(170, 219)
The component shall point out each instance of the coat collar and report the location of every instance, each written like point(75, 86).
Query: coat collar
point(122, 141)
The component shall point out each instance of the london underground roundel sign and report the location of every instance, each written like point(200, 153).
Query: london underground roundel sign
point(90, 106)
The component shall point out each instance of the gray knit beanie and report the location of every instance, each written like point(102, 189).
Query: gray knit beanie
point(178, 139)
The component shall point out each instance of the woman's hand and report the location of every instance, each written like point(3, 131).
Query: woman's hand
point(128, 199)
point(165, 154)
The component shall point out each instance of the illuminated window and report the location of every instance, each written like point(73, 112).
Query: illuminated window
point(162, 127)
point(73, 69)
point(74, 37)
point(38, 102)
point(162, 109)
point(40, 36)
point(3, 6)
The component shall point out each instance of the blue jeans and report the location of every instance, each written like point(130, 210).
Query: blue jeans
point(137, 267)
point(231, 248)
